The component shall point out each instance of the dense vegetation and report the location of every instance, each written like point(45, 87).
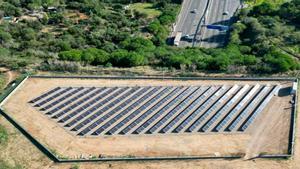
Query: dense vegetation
point(110, 33)
point(270, 33)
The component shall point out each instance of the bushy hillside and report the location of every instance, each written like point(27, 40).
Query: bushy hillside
point(65, 35)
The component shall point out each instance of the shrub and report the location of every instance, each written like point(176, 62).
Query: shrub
point(71, 55)
point(3, 135)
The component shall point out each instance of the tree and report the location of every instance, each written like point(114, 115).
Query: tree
point(10, 10)
point(137, 44)
point(219, 62)
point(28, 34)
point(71, 55)
point(123, 58)
point(100, 56)
point(117, 57)
point(62, 45)
point(134, 59)
point(4, 37)
point(263, 9)
point(280, 62)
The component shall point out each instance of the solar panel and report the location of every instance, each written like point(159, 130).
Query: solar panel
point(91, 102)
point(249, 107)
point(198, 110)
point(45, 95)
point(70, 108)
point(67, 103)
point(213, 108)
point(179, 107)
point(62, 99)
point(237, 108)
point(225, 108)
point(128, 109)
point(52, 97)
point(164, 109)
point(187, 110)
point(110, 113)
point(139, 110)
point(260, 108)
point(95, 107)
point(151, 110)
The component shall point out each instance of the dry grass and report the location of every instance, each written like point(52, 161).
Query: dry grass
point(146, 8)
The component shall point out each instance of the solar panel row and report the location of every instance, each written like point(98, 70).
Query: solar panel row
point(73, 116)
point(224, 109)
point(45, 95)
point(109, 100)
point(259, 109)
point(139, 110)
point(61, 99)
point(52, 97)
point(179, 107)
point(72, 107)
point(212, 109)
point(251, 105)
point(150, 110)
point(164, 109)
point(237, 108)
point(67, 103)
point(121, 114)
point(110, 113)
point(197, 112)
point(143, 108)
point(196, 102)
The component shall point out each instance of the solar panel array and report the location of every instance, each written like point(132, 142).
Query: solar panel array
point(96, 111)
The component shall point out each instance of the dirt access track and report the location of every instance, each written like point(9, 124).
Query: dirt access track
point(268, 135)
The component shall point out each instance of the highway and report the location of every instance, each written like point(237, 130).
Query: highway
point(207, 12)
point(188, 20)
point(215, 16)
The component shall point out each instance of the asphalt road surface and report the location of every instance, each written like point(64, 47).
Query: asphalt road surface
point(207, 12)
point(215, 16)
point(188, 20)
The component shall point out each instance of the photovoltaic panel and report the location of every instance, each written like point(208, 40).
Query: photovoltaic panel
point(45, 95)
point(164, 109)
point(87, 111)
point(150, 111)
point(58, 108)
point(237, 108)
point(52, 97)
point(139, 110)
point(249, 107)
point(260, 108)
point(93, 108)
point(179, 107)
point(82, 107)
point(62, 99)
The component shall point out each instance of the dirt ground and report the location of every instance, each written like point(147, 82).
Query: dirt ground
point(235, 144)
point(10, 75)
